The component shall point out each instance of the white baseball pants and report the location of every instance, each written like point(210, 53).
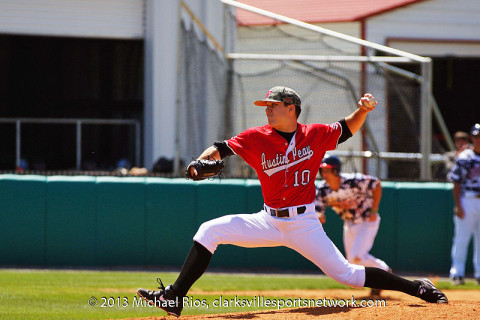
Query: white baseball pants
point(464, 230)
point(303, 234)
point(358, 241)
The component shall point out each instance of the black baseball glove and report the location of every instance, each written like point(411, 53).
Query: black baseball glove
point(205, 169)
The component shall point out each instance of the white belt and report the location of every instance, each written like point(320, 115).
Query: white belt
point(292, 211)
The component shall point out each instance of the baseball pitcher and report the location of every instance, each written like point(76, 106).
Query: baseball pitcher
point(286, 156)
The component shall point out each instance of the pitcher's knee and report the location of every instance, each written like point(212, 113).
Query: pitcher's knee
point(206, 227)
point(353, 276)
point(207, 235)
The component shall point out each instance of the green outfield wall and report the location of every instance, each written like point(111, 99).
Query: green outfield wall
point(63, 221)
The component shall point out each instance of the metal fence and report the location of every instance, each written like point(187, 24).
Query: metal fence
point(330, 71)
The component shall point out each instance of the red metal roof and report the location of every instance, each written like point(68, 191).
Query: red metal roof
point(317, 11)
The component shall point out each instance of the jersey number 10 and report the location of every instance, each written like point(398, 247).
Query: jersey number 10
point(305, 178)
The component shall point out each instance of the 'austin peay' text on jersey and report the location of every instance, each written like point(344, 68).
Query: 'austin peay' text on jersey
point(286, 171)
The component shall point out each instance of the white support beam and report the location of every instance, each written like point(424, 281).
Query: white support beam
point(160, 80)
point(297, 57)
point(426, 122)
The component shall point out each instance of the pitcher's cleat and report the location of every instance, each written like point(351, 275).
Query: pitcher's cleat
point(164, 299)
point(428, 292)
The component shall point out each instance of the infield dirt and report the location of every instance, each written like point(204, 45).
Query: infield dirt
point(463, 304)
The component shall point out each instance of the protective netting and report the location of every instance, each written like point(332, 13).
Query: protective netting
point(216, 96)
point(202, 85)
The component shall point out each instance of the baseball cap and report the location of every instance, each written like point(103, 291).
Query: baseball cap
point(475, 131)
point(280, 94)
point(331, 161)
point(460, 135)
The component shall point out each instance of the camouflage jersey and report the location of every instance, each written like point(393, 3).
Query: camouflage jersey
point(353, 199)
point(466, 171)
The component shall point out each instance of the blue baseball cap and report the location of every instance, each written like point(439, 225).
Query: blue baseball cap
point(475, 131)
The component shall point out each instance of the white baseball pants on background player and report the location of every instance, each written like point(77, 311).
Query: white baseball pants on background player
point(464, 229)
point(358, 241)
point(303, 233)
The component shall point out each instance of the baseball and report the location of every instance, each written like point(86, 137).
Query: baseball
point(368, 101)
point(371, 101)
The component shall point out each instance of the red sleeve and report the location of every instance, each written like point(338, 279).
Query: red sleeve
point(241, 142)
point(328, 135)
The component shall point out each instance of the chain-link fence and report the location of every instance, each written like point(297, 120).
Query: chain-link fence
point(218, 86)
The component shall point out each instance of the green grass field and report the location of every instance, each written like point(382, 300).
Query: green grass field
point(64, 294)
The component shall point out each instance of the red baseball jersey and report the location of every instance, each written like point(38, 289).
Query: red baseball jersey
point(286, 171)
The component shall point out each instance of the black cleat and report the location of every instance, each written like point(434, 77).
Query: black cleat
point(428, 292)
point(164, 299)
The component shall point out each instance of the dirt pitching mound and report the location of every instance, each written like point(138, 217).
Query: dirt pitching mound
point(463, 304)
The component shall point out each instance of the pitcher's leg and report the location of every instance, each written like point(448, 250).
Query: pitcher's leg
point(310, 240)
point(193, 268)
point(249, 230)
point(244, 230)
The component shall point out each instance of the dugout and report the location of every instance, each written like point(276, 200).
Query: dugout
point(109, 59)
point(47, 77)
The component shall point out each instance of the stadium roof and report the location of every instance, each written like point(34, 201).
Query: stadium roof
point(318, 11)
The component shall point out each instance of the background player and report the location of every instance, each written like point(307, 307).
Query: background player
point(286, 156)
point(461, 141)
point(465, 175)
point(355, 197)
